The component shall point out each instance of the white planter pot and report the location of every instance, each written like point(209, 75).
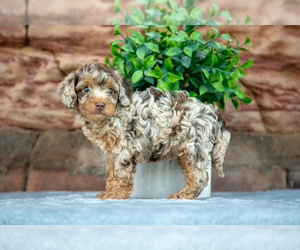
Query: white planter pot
point(160, 179)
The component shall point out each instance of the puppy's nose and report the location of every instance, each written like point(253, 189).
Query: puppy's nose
point(100, 105)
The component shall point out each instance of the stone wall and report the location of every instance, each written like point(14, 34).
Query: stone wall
point(275, 12)
point(43, 149)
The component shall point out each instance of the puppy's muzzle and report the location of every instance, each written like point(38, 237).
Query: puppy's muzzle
point(100, 106)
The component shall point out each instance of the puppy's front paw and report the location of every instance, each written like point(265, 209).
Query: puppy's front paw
point(111, 195)
point(102, 195)
point(182, 195)
point(173, 196)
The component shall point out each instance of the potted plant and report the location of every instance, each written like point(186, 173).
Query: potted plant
point(203, 62)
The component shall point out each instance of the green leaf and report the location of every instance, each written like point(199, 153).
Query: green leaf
point(172, 77)
point(205, 73)
point(188, 51)
point(227, 37)
point(237, 40)
point(117, 6)
point(228, 67)
point(179, 74)
point(196, 35)
point(172, 4)
point(242, 72)
point(183, 12)
point(186, 61)
point(248, 40)
point(195, 13)
point(173, 28)
point(149, 79)
point(168, 64)
point(137, 15)
point(226, 96)
point(202, 90)
point(121, 66)
point(137, 64)
point(192, 94)
point(152, 46)
point(177, 38)
point(115, 52)
point(148, 61)
point(239, 93)
point(140, 53)
point(128, 48)
point(237, 18)
point(216, 6)
point(163, 85)
point(248, 20)
point(194, 81)
point(174, 51)
point(212, 44)
point(226, 14)
point(137, 75)
point(137, 37)
point(247, 64)
point(183, 34)
point(117, 30)
point(107, 62)
point(246, 100)
point(157, 73)
point(215, 29)
point(218, 86)
point(235, 103)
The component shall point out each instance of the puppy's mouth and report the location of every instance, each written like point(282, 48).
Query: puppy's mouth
point(99, 112)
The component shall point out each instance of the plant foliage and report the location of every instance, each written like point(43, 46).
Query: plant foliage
point(191, 60)
point(168, 12)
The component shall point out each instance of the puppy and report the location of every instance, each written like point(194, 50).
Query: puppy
point(144, 127)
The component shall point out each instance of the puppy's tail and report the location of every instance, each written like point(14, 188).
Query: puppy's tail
point(218, 152)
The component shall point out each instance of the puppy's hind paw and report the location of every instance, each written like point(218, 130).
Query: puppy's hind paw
point(102, 195)
point(182, 195)
point(110, 195)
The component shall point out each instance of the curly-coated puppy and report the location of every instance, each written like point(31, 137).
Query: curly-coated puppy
point(144, 127)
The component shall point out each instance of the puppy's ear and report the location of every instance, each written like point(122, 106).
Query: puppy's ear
point(66, 89)
point(125, 90)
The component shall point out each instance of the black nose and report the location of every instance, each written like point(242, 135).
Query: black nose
point(100, 105)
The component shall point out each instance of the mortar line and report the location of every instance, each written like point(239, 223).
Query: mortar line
point(27, 20)
point(27, 172)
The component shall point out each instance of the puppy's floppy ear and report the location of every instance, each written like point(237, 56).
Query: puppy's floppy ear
point(66, 89)
point(125, 90)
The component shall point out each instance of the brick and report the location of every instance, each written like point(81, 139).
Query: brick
point(59, 180)
point(12, 35)
point(251, 163)
point(15, 148)
point(70, 151)
point(12, 12)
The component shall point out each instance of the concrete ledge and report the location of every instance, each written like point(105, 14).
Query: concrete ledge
point(80, 208)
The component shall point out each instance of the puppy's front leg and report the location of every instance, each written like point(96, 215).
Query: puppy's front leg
point(118, 186)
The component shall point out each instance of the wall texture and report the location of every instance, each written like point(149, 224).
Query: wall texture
point(275, 12)
point(41, 148)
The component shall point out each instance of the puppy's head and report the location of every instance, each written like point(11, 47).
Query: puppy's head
point(94, 91)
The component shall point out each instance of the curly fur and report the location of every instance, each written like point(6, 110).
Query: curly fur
point(147, 127)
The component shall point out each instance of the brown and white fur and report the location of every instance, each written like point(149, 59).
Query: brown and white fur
point(143, 127)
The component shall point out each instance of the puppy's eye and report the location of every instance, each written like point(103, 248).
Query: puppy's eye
point(111, 91)
point(86, 90)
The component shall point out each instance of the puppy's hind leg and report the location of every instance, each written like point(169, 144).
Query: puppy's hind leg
point(117, 187)
point(196, 178)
